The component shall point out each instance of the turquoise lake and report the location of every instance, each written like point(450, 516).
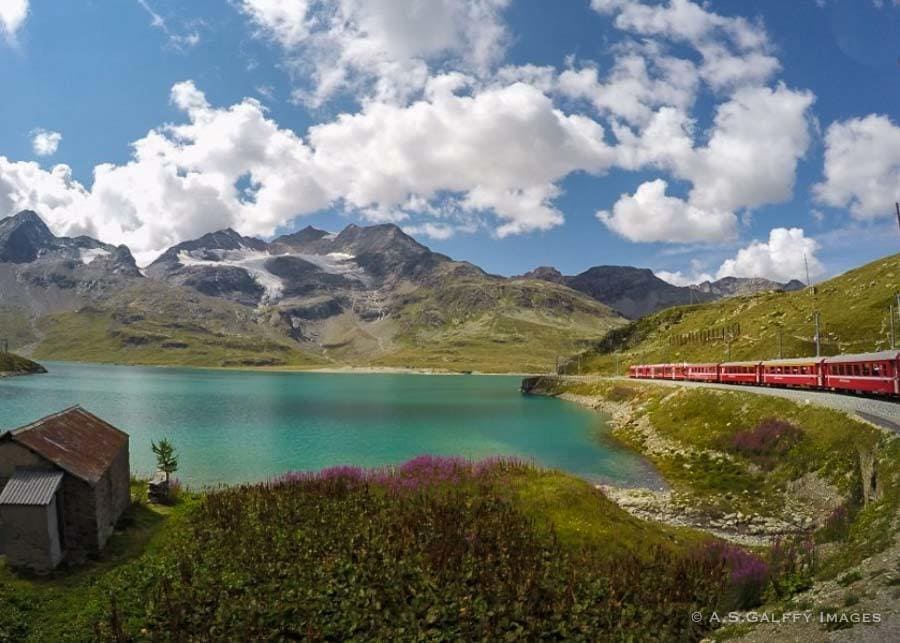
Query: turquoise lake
point(232, 426)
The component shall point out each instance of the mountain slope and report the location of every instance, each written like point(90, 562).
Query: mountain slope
point(636, 292)
point(853, 311)
point(364, 296)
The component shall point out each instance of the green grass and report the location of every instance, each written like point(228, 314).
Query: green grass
point(707, 421)
point(456, 323)
point(517, 552)
point(854, 318)
point(582, 517)
point(157, 325)
point(829, 446)
point(496, 326)
point(12, 363)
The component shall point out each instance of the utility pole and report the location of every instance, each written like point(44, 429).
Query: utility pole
point(818, 339)
point(897, 205)
point(893, 336)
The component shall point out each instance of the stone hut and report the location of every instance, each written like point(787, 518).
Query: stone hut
point(65, 483)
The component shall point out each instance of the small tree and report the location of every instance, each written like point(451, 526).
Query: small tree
point(166, 457)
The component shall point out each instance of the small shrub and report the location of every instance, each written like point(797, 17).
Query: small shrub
point(764, 443)
point(837, 525)
point(620, 394)
point(429, 550)
point(849, 578)
point(748, 574)
point(793, 562)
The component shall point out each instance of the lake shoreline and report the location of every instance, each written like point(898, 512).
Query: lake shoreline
point(635, 432)
point(330, 370)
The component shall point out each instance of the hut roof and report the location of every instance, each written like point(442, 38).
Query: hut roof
point(31, 487)
point(76, 441)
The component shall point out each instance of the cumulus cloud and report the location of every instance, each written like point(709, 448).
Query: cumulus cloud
point(45, 142)
point(389, 44)
point(636, 86)
point(12, 16)
point(734, 50)
point(651, 215)
point(742, 165)
point(782, 258)
point(503, 149)
point(748, 157)
point(862, 167)
point(498, 152)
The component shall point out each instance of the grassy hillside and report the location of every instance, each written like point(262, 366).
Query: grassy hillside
point(734, 456)
point(10, 363)
point(157, 324)
point(438, 548)
point(854, 318)
point(459, 324)
point(495, 326)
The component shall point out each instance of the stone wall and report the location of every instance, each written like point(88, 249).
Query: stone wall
point(31, 536)
point(113, 495)
point(14, 456)
point(79, 518)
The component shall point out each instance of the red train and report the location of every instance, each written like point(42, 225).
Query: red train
point(873, 373)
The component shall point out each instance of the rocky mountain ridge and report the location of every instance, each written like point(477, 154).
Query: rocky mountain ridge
point(636, 292)
point(361, 296)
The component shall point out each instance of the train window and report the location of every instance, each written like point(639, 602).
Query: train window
point(876, 369)
point(867, 369)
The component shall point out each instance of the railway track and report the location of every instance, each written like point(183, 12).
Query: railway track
point(884, 413)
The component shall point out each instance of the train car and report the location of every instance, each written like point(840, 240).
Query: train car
point(740, 373)
point(660, 372)
point(877, 373)
point(702, 372)
point(803, 372)
point(679, 371)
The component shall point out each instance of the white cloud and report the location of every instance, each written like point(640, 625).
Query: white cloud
point(751, 158)
point(45, 142)
point(499, 151)
point(734, 50)
point(635, 87)
point(12, 16)
point(780, 259)
point(388, 44)
point(503, 149)
point(180, 182)
point(862, 167)
point(650, 215)
point(742, 165)
point(682, 279)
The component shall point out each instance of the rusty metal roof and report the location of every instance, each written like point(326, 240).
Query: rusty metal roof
point(31, 487)
point(74, 440)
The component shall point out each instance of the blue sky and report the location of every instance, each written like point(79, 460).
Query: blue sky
point(493, 130)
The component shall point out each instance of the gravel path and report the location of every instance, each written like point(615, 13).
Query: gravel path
point(881, 412)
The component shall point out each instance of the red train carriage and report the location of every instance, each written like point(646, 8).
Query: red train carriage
point(679, 371)
point(702, 372)
point(799, 372)
point(660, 371)
point(865, 373)
point(740, 373)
